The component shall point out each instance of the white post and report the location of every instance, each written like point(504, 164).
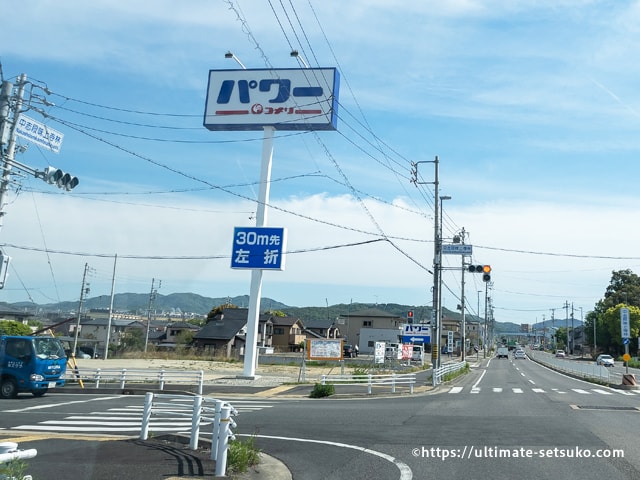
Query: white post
point(195, 422)
point(253, 316)
point(216, 429)
point(223, 441)
point(146, 416)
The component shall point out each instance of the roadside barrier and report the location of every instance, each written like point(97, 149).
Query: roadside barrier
point(393, 380)
point(202, 411)
point(445, 369)
point(124, 377)
point(573, 367)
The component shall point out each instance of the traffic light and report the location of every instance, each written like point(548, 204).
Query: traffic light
point(55, 176)
point(485, 270)
point(410, 316)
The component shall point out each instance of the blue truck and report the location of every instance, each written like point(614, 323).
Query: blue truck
point(31, 364)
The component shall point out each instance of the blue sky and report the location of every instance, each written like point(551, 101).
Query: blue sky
point(532, 108)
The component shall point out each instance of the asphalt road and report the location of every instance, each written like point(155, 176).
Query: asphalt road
point(551, 426)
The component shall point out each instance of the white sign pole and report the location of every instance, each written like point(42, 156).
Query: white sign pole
point(253, 315)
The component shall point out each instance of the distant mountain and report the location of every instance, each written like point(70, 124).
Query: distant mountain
point(139, 303)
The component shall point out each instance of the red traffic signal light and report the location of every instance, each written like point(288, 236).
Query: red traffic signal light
point(410, 316)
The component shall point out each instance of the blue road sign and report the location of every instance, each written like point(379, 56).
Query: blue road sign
point(259, 248)
point(416, 333)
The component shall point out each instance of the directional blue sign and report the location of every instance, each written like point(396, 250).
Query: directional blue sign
point(625, 341)
point(259, 248)
point(416, 333)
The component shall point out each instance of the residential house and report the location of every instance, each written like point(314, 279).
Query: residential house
point(288, 333)
point(173, 332)
point(225, 334)
point(321, 328)
point(354, 322)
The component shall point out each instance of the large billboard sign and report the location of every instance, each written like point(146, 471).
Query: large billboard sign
point(286, 99)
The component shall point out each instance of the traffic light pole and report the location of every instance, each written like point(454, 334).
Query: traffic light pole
point(8, 132)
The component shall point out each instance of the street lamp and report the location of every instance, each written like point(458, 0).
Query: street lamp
point(233, 57)
point(295, 54)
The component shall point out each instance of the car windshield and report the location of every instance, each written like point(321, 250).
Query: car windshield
point(47, 347)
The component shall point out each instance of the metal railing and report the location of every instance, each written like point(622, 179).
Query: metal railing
point(369, 380)
point(202, 411)
point(127, 377)
point(445, 369)
point(573, 367)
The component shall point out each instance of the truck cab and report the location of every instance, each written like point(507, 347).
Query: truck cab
point(30, 364)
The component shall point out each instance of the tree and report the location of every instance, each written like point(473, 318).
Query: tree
point(133, 339)
point(218, 310)
point(623, 290)
point(561, 337)
point(611, 325)
point(9, 327)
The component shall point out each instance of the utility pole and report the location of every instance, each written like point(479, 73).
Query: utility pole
point(566, 324)
point(462, 304)
point(437, 256)
point(83, 290)
point(113, 284)
point(152, 298)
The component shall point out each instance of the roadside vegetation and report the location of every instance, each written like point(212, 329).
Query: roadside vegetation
point(242, 455)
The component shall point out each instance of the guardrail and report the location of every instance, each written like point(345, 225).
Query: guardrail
point(125, 377)
point(202, 411)
point(393, 380)
point(445, 369)
point(578, 368)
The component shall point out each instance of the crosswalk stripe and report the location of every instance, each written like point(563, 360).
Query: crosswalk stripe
point(603, 392)
point(455, 390)
point(517, 390)
point(579, 390)
point(497, 389)
point(537, 390)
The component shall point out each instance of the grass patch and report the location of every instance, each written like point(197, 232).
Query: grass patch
point(13, 469)
point(242, 455)
point(463, 371)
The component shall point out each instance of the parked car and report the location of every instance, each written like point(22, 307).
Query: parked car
point(519, 354)
point(605, 360)
point(349, 351)
point(560, 354)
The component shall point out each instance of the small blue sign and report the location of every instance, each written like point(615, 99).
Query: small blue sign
point(259, 248)
point(625, 341)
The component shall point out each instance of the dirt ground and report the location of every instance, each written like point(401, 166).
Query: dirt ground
point(212, 369)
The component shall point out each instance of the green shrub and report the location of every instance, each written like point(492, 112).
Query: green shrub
point(320, 391)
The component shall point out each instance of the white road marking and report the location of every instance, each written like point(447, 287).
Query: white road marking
point(405, 471)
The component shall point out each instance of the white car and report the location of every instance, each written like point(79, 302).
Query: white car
point(560, 354)
point(605, 360)
point(519, 354)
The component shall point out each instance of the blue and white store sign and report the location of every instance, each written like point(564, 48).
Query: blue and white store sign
point(259, 248)
point(286, 99)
